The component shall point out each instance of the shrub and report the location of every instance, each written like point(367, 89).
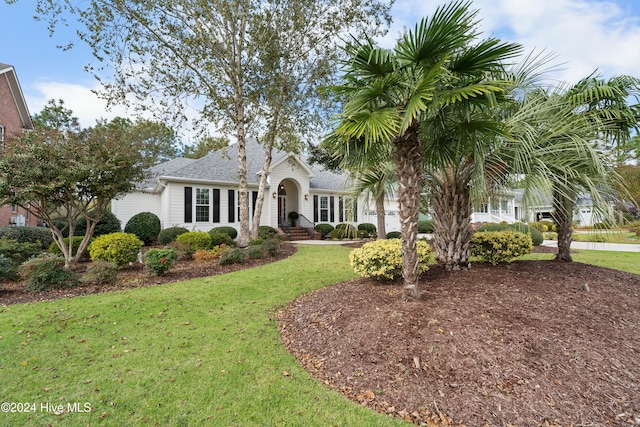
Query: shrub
point(383, 258)
point(183, 250)
point(536, 236)
point(217, 239)
point(100, 273)
point(344, 231)
point(425, 226)
point(266, 232)
point(258, 251)
point(45, 272)
point(498, 247)
point(119, 248)
point(230, 231)
point(368, 227)
point(256, 242)
point(8, 269)
point(271, 246)
point(108, 224)
point(196, 240)
point(324, 229)
point(18, 252)
point(293, 218)
point(394, 235)
point(41, 235)
point(54, 249)
point(170, 234)
point(233, 256)
point(145, 225)
point(204, 255)
point(159, 261)
point(600, 226)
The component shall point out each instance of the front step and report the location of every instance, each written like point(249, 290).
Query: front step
point(297, 233)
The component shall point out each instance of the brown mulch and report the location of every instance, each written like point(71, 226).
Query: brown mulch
point(536, 343)
point(134, 276)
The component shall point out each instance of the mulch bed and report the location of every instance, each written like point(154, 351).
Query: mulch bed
point(134, 276)
point(539, 343)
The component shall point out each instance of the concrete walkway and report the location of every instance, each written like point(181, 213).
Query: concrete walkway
point(618, 247)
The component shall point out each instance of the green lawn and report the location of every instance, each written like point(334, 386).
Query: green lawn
point(203, 352)
point(624, 261)
point(606, 236)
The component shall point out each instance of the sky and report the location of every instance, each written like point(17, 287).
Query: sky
point(585, 36)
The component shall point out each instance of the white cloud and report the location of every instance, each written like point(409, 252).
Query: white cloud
point(586, 35)
point(84, 103)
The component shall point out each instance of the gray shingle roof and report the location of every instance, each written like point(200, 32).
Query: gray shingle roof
point(222, 166)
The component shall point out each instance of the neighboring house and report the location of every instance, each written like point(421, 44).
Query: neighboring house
point(200, 194)
point(14, 120)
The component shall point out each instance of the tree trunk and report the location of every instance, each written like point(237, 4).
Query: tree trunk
point(380, 214)
point(451, 204)
point(243, 235)
point(563, 216)
point(257, 211)
point(408, 160)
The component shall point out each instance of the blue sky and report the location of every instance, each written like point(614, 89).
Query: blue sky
point(585, 34)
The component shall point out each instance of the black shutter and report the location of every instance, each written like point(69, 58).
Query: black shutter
point(216, 205)
point(315, 208)
point(332, 214)
point(254, 199)
point(232, 205)
point(188, 204)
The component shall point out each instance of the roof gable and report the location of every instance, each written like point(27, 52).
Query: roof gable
point(8, 72)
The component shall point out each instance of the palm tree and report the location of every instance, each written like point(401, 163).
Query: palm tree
point(390, 93)
point(376, 182)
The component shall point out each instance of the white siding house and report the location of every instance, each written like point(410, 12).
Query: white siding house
point(200, 194)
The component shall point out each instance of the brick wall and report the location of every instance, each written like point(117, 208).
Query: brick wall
point(9, 116)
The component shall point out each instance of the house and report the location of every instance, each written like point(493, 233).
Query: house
point(14, 120)
point(200, 194)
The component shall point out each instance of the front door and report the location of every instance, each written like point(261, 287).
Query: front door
point(282, 210)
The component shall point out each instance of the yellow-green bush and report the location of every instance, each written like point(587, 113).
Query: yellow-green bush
point(383, 258)
point(196, 240)
point(119, 248)
point(498, 247)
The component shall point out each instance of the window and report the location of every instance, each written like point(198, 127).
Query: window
point(14, 208)
point(1, 134)
point(484, 208)
point(504, 205)
point(202, 205)
point(324, 208)
point(347, 209)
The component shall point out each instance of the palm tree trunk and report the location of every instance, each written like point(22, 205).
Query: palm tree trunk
point(408, 160)
point(451, 205)
point(563, 215)
point(380, 214)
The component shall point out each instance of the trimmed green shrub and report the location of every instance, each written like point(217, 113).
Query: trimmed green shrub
point(394, 235)
point(196, 240)
point(230, 231)
point(368, 227)
point(119, 248)
point(41, 235)
point(159, 261)
point(497, 247)
point(170, 234)
point(8, 269)
point(536, 236)
point(18, 252)
point(54, 249)
point(109, 223)
point(383, 258)
point(324, 229)
point(600, 226)
point(425, 226)
point(293, 218)
point(344, 231)
point(145, 225)
point(45, 272)
point(265, 232)
point(100, 273)
point(233, 256)
point(255, 252)
point(217, 239)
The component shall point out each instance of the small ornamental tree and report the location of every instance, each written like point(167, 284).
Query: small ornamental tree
point(70, 175)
